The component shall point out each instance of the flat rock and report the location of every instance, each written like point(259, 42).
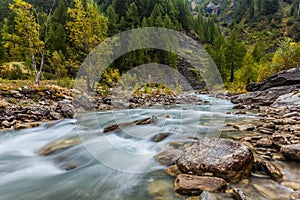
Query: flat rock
point(290, 184)
point(19, 126)
point(193, 185)
point(291, 151)
point(223, 157)
point(264, 97)
point(283, 78)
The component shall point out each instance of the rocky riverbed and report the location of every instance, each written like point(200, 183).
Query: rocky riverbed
point(257, 157)
point(26, 107)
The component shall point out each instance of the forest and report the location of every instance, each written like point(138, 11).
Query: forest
point(248, 40)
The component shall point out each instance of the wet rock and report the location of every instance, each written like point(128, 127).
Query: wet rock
point(205, 195)
point(264, 142)
point(68, 166)
point(266, 131)
point(291, 151)
point(270, 189)
point(240, 113)
point(114, 127)
point(160, 189)
point(58, 145)
point(19, 126)
point(173, 170)
point(245, 127)
point(160, 137)
point(223, 157)
point(239, 106)
point(6, 124)
point(271, 169)
point(280, 140)
point(239, 194)
point(168, 157)
point(269, 125)
point(290, 184)
point(295, 195)
point(54, 115)
point(193, 185)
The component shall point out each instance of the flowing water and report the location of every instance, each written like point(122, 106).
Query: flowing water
point(117, 165)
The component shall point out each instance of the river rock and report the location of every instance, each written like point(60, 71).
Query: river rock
point(271, 169)
point(168, 157)
point(223, 157)
point(160, 189)
point(239, 194)
point(173, 170)
point(290, 184)
point(264, 142)
point(295, 195)
point(160, 137)
point(291, 151)
point(193, 185)
point(58, 145)
point(19, 126)
point(114, 127)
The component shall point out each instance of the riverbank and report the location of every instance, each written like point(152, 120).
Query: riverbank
point(27, 106)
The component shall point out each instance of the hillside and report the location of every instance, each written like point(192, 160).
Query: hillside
point(249, 40)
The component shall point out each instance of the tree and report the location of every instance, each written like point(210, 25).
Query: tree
point(58, 63)
point(29, 30)
point(57, 32)
point(87, 29)
point(113, 20)
point(257, 52)
point(248, 72)
point(234, 53)
point(132, 16)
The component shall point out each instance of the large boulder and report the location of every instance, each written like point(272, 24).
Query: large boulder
point(222, 157)
point(187, 184)
point(265, 97)
point(283, 78)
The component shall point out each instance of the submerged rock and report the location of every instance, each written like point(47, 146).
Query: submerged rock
point(273, 171)
point(114, 127)
point(58, 145)
point(160, 137)
point(295, 195)
point(239, 194)
point(291, 151)
point(168, 157)
point(193, 185)
point(223, 157)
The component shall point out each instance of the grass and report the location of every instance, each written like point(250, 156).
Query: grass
point(16, 84)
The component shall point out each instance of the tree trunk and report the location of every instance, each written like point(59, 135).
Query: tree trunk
point(299, 9)
point(231, 73)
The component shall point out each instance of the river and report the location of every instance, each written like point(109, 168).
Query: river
point(111, 166)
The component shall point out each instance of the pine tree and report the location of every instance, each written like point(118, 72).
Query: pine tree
point(234, 53)
point(113, 20)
